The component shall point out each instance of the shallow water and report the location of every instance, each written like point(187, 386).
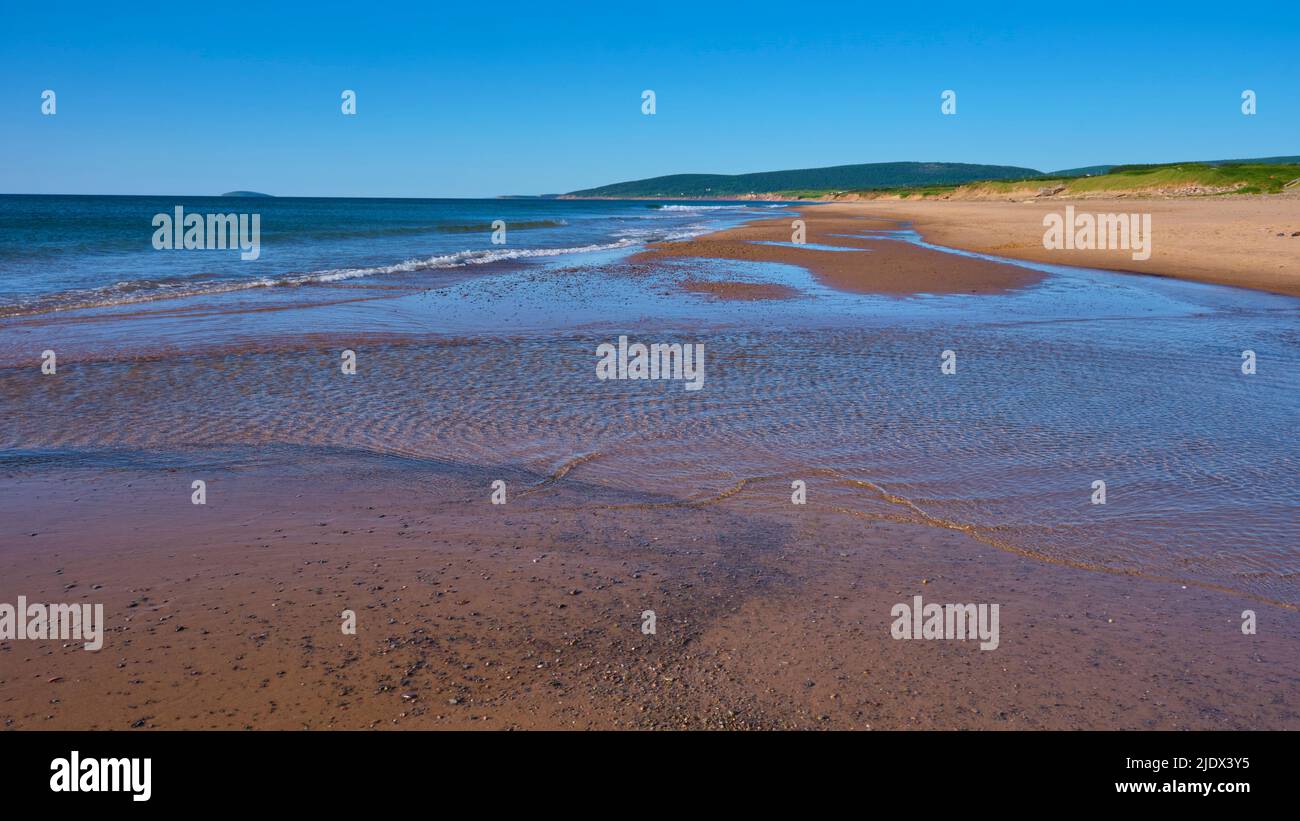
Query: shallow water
point(1086, 376)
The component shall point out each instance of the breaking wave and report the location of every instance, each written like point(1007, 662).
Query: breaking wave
point(145, 290)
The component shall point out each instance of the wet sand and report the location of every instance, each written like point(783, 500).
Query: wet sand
point(1246, 242)
point(867, 264)
point(728, 289)
point(529, 615)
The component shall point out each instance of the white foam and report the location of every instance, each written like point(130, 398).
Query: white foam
point(698, 207)
point(113, 295)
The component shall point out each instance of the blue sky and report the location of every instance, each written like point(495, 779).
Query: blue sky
point(480, 99)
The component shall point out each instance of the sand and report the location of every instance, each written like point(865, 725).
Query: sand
point(529, 615)
point(876, 266)
point(1246, 242)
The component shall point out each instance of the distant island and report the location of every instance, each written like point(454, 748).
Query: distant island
point(245, 194)
point(924, 179)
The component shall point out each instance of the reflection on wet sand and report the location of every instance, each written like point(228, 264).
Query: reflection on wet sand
point(977, 482)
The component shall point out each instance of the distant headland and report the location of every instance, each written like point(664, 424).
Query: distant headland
point(944, 180)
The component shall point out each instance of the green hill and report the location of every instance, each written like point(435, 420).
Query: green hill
point(944, 178)
point(1094, 170)
point(808, 180)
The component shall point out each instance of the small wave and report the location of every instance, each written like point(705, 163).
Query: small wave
point(694, 207)
point(650, 235)
point(690, 232)
point(451, 261)
point(130, 292)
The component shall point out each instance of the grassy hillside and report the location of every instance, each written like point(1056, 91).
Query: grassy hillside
point(1176, 179)
point(1092, 170)
point(808, 181)
point(967, 181)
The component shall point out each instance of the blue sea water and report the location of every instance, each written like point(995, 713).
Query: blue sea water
point(60, 252)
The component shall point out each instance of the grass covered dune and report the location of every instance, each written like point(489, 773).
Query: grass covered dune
point(1181, 179)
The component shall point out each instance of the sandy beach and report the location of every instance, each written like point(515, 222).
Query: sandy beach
point(529, 617)
point(371, 493)
point(1243, 241)
point(892, 268)
point(1246, 242)
point(674, 374)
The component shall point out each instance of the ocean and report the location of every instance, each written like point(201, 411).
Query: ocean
point(485, 355)
point(62, 252)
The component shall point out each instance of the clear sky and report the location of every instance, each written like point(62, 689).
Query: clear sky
point(480, 99)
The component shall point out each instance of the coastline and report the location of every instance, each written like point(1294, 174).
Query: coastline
point(847, 250)
point(370, 493)
point(1248, 242)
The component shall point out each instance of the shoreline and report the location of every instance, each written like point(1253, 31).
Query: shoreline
point(1250, 242)
point(1245, 242)
point(370, 492)
point(848, 251)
